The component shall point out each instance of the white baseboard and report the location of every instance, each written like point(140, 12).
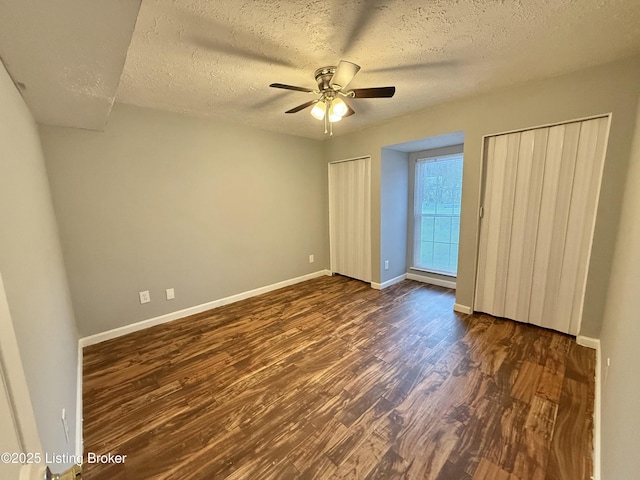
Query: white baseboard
point(597, 445)
point(388, 283)
point(588, 342)
point(134, 327)
point(432, 280)
point(79, 416)
point(462, 309)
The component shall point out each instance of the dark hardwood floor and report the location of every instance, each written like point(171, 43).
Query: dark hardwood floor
point(330, 379)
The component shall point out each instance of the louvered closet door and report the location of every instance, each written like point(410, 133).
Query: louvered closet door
point(539, 198)
point(350, 218)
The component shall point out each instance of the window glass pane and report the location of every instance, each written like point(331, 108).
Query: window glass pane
point(442, 231)
point(455, 229)
point(453, 262)
point(427, 223)
point(426, 253)
point(441, 256)
point(438, 188)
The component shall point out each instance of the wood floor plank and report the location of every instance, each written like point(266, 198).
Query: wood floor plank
point(364, 458)
point(314, 448)
point(533, 454)
point(572, 443)
point(488, 471)
point(526, 382)
point(391, 466)
point(358, 432)
point(330, 379)
point(320, 469)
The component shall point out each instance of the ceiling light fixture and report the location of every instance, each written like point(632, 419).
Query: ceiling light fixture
point(318, 110)
point(337, 110)
point(332, 84)
point(331, 109)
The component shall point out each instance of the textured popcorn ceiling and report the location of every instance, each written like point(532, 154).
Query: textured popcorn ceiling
point(67, 56)
point(216, 58)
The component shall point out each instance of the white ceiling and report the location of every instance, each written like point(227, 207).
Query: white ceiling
point(217, 58)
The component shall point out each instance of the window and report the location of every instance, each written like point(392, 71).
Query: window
point(438, 189)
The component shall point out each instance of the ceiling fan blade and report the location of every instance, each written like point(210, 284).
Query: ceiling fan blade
point(291, 87)
point(350, 112)
point(302, 107)
point(345, 71)
point(376, 92)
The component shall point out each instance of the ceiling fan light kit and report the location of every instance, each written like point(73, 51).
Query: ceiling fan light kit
point(332, 88)
point(338, 109)
point(318, 110)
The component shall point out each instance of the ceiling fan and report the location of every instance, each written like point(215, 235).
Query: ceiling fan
point(332, 88)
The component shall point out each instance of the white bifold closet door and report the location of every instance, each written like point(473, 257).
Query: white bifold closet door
point(350, 218)
point(540, 195)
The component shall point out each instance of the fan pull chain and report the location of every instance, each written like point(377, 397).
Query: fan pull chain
point(326, 118)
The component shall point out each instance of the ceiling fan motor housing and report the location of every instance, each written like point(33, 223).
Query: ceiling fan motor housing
point(323, 77)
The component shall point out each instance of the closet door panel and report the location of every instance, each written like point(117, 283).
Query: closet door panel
point(540, 196)
point(560, 220)
point(484, 294)
point(515, 270)
point(505, 207)
point(531, 223)
point(597, 128)
point(493, 215)
point(350, 212)
point(569, 282)
point(543, 269)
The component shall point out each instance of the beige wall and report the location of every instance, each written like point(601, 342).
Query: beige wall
point(607, 88)
point(33, 273)
point(620, 336)
point(160, 200)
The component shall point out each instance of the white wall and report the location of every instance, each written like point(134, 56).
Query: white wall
point(33, 273)
point(620, 339)
point(160, 200)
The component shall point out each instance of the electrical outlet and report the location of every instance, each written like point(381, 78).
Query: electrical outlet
point(145, 297)
point(386, 264)
point(311, 258)
point(171, 294)
point(65, 425)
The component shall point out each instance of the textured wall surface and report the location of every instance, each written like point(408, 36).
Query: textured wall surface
point(33, 273)
point(608, 88)
point(160, 200)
